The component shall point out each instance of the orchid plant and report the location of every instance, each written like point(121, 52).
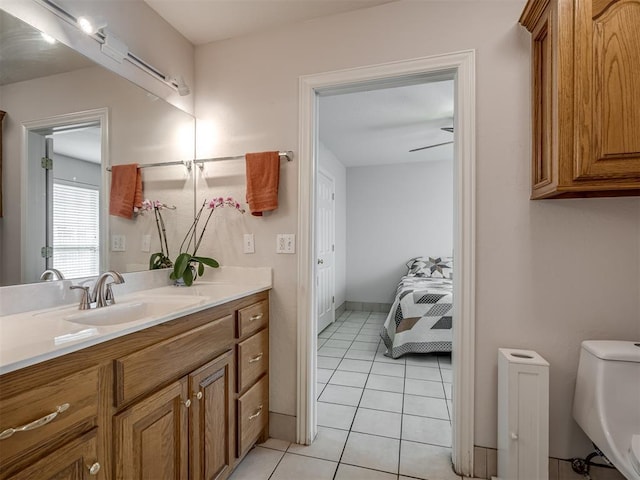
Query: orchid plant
point(159, 259)
point(185, 265)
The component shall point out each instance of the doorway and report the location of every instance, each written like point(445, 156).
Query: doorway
point(64, 225)
point(459, 66)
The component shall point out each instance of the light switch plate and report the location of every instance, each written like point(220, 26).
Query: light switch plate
point(118, 243)
point(146, 243)
point(247, 244)
point(286, 243)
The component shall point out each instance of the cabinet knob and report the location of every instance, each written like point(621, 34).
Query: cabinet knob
point(199, 396)
point(94, 469)
point(187, 403)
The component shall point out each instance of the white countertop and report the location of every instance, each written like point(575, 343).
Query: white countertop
point(31, 337)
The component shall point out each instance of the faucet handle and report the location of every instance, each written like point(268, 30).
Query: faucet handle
point(85, 303)
point(109, 298)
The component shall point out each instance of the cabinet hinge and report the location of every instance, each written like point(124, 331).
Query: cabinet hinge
point(333, 248)
point(46, 252)
point(333, 196)
point(46, 163)
point(333, 299)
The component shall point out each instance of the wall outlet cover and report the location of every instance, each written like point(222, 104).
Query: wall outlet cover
point(118, 243)
point(248, 245)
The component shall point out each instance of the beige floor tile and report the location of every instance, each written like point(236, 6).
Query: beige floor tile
point(391, 369)
point(350, 472)
point(423, 360)
point(424, 388)
point(257, 465)
point(323, 375)
point(330, 363)
point(424, 373)
point(360, 354)
point(376, 422)
point(335, 416)
point(370, 451)
point(350, 379)
point(351, 365)
point(426, 407)
point(426, 430)
point(380, 400)
point(386, 383)
point(332, 352)
point(426, 462)
point(341, 394)
point(328, 445)
point(293, 467)
point(276, 444)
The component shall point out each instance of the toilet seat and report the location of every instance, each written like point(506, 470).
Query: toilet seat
point(634, 453)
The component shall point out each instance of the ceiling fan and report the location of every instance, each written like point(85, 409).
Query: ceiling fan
point(446, 129)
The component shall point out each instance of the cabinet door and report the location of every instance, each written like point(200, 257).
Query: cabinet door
point(77, 460)
point(211, 420)
point(151, 437)
point(608, 90)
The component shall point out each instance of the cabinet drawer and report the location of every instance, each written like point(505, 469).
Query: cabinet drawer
point(47, 412)
point(253, 318)
point(253, 359)
point(162, 362)
point(253, 414)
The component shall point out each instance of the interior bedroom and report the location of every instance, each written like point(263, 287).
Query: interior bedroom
point(384, 240)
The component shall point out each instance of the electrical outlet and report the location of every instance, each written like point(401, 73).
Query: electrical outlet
point(118, 243)
point(247, 244)
point(285, 243)
point(146, 243)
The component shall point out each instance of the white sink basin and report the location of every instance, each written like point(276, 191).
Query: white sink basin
point(132, 310)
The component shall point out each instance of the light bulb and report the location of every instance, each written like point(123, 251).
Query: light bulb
point(48, 38)
point(85, 25)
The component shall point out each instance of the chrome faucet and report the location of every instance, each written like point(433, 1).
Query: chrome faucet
point(102, 293)
point(50, 274)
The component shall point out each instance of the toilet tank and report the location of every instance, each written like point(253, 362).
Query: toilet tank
point(608, 393)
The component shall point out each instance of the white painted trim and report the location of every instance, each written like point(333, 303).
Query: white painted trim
point(462, 65)
point(100, 115)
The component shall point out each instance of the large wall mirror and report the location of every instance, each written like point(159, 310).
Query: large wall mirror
point(62, 106)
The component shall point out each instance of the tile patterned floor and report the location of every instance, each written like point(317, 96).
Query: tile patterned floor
point(378, 418)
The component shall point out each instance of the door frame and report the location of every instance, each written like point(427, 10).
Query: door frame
point(462, 67)
point(100, 115)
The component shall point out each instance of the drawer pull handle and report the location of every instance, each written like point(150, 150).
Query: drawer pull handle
point(256, 358)
point(94, 469)
point(199, 396)
point(255, 317)
point(36, 423)
point(257, 414)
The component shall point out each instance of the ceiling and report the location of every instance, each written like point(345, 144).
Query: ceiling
point(80, 143)
point(379, 127)
point(205, 21)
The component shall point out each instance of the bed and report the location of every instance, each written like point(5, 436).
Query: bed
point(420, 318)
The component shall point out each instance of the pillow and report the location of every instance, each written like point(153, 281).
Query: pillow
point(434, 267)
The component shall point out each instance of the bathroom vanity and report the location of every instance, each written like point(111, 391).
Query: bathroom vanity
point(181, 398)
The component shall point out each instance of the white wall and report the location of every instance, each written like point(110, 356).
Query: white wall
point(328, 162)
point(549, 273)
point(394, 213)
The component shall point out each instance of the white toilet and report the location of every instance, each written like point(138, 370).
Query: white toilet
point(607, 401)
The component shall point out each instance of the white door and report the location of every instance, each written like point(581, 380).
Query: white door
point(325, 254)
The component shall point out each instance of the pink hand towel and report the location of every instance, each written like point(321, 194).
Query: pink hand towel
point(126, 190)
point(263, 178)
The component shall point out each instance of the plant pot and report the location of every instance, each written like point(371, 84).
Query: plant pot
point(179, 282)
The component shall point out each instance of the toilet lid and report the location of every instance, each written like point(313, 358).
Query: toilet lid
point(634, 452)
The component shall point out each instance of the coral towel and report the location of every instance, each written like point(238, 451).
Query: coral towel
point(263, 177)
point(126, 190)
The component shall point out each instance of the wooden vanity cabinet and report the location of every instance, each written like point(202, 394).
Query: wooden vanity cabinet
point(158, 403)
point(585, 97)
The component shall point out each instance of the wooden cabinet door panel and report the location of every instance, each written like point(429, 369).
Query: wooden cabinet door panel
point(151, 437)
point(212, 419)
point(72, 461)
point(609, 118)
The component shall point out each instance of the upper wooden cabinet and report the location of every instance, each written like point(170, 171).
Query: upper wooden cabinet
point(586, 97)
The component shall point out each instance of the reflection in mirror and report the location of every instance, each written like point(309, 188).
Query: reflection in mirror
point(86, 119)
